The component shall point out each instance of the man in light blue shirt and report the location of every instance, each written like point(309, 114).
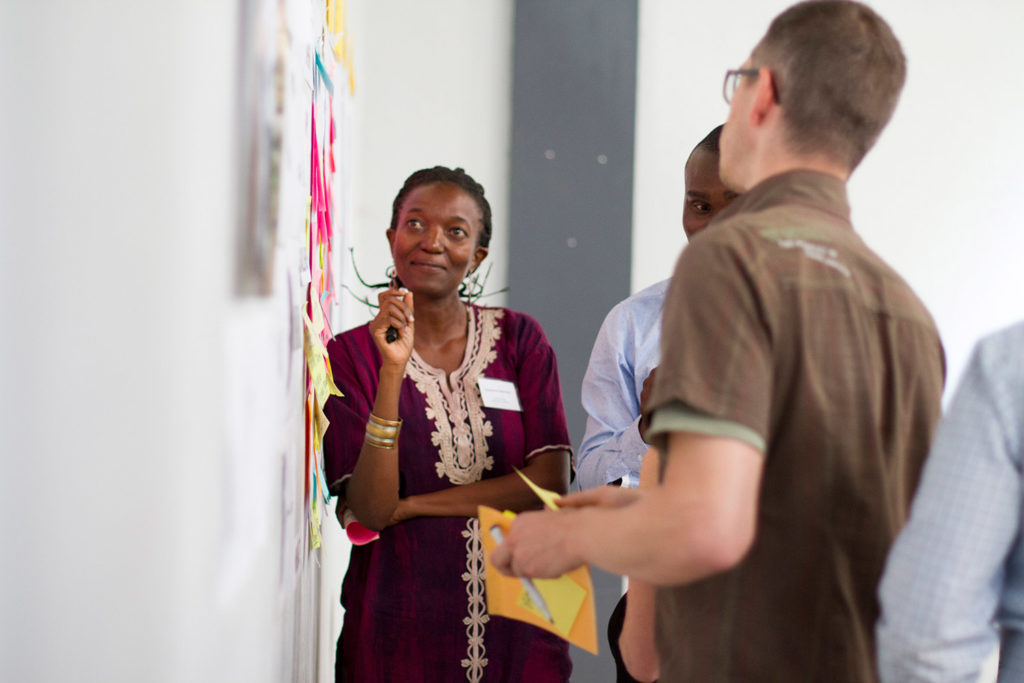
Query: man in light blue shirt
point(627, 347)
point(954, 581)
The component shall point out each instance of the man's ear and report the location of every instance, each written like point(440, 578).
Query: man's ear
point(764, 96)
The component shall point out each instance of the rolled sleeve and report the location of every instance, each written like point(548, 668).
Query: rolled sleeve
point(678, 417)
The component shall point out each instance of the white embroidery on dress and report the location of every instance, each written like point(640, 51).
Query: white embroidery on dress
point(460, 435)
point(474, 577)
point(461, 429)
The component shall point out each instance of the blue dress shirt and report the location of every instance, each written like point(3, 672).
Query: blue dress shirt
point(626, 350)
point(957, 568)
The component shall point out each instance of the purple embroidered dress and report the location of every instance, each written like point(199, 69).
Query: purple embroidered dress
point(414, 599)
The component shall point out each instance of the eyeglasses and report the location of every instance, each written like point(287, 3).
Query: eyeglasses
point(732, 81)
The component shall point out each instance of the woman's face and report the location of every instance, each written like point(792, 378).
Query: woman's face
point(435, 243)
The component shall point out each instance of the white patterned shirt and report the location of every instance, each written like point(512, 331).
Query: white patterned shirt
point(954, 581)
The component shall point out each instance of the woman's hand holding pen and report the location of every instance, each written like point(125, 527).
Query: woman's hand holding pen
point(373, 487)
point(396, 311)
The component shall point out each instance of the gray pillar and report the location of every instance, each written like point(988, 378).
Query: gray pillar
point(571, 198)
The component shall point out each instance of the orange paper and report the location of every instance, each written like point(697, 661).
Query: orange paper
point(569, 597)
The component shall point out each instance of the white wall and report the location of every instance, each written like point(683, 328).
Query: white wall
point(433, 86)
point(134, 549)
point(940, 197)
point(118, 169)
point(116, 158)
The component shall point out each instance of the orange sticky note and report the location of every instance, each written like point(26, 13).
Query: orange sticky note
point(570, 597)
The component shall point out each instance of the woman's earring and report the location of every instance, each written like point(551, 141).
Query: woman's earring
point(469, 288)
point(390, 274)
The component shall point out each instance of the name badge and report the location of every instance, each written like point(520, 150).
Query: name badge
point(499, 393)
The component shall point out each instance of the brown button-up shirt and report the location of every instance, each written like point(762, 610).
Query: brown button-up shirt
point(780, 319)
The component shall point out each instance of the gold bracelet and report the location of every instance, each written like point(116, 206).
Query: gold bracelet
point(382, 427)
point(381, 422)
point(382, 433)
point(386, 444)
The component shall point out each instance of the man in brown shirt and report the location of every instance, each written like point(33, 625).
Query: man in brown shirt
point(799, 388)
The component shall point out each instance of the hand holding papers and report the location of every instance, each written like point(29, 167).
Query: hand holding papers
point(531, 590)
point(569, 599)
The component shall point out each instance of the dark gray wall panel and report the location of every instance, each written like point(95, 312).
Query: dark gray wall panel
point(571, 194)
point(571, 197)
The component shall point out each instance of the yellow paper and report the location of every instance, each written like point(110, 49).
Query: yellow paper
point(336, 16)
point(349, 65)
point(314, 523)
point(319, 320)
point(547, 497)
point(319, 366)
point(319, 326)
point(320, 424)
point(564, 598)
point(569, 597)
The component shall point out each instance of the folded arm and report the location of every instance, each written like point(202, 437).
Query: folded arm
point(549, 470)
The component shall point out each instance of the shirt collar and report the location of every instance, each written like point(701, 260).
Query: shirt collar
point(811, 188)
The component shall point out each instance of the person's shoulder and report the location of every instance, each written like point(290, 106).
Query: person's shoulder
point(516, 324)
point(647, 300)
point(355, 338)
point(729, 233)
point(1006, 339)
point(504, 317)
point(720, 249)
point(655, 292)
point(1003, 351)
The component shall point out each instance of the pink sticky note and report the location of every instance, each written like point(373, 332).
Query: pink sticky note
point(357, 533)
point(360, 535)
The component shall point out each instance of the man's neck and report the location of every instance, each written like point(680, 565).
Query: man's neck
point(778, 159)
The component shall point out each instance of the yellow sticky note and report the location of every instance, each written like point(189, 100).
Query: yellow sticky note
point(318, 319)
point(316, 361)
point(547, 497)
point(349, 65)
point(314, 523)
point(564, 598)
point(320, 423)
point(331, 386)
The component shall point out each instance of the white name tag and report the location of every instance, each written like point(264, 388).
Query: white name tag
point(499, 393)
